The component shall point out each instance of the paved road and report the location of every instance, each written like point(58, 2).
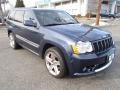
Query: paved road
point(22, 70)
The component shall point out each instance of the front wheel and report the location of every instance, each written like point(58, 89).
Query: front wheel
point(55, 62)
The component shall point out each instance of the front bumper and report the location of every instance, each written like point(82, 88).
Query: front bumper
point(90, 63)
point(95, 71)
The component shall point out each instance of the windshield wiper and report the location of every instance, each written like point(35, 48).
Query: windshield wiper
point(59, 24)
point(53, 24)
point(70, 23)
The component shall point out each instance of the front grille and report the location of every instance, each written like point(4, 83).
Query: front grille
point(102, 45)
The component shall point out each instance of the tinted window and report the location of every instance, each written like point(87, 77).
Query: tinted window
point(11, 15)
point(40, 17)
point(28, 15)
point(51, 17)
point(105, 2)
point(19, 16)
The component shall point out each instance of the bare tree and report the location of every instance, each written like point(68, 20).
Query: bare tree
point(2, 15)
point(1, 12)
point(98, 12)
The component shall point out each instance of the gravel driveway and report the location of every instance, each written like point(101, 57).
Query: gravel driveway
point(22, 70)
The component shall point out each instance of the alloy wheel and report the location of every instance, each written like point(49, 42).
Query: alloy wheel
point(52, 63)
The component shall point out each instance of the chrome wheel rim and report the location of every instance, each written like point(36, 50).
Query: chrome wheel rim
point(11, 41)
point(52, 63)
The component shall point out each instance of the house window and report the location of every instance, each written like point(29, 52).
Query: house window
point(105, 2)
point(66, 2)
point(57, 4)
point(74, 1)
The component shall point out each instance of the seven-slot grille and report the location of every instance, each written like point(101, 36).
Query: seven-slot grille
point(102, 45)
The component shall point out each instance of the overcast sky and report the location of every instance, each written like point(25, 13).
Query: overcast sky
point(28, 3)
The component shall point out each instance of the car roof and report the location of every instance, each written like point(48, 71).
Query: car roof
point(36, 9)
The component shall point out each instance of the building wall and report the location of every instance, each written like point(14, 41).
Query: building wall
point(69, 6)
point(75, 7)
point(92, 6)
point(44, 1)
point(84, 7)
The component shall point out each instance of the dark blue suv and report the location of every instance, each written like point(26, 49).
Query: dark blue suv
point(68, 47)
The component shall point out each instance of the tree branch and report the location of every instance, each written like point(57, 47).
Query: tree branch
point(1, 12)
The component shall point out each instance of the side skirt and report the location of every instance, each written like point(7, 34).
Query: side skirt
point(30, 50)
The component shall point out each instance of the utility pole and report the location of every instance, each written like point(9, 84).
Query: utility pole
point(98, 12)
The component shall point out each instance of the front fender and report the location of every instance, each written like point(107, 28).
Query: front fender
point(62, 45)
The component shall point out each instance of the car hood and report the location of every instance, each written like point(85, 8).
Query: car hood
point(79, 31)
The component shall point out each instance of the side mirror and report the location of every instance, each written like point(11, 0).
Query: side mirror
point(30, 23)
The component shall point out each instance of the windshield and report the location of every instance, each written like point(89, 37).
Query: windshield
point(53, 17)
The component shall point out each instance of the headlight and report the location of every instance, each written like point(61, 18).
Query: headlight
point(82, 47)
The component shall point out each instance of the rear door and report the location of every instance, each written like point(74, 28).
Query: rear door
point(18, 25)
point(15, 23)
point(10, 20)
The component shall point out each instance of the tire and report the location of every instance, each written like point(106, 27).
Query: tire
point(55, 62)
point(12, 41)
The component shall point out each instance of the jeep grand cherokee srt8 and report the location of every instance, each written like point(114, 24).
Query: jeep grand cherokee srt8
point(68, 47)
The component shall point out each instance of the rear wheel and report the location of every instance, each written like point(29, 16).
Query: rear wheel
point(55, 62)
point(12, 41)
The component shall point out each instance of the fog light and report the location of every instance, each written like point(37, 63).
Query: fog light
point(111, 57)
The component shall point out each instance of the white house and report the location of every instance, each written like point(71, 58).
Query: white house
point(74, 7)
point(110, 7)
point(79, 7)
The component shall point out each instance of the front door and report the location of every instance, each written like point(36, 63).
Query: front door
point(31, 35)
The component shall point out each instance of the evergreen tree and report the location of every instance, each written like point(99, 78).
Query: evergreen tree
point(19, 3)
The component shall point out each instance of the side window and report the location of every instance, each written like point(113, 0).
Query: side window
point(19, 16)
point(40, 17)
point(28, 16)
point(11, 15)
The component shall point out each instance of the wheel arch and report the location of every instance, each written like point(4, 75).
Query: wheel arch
point(49, 45)
point(60, 48)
